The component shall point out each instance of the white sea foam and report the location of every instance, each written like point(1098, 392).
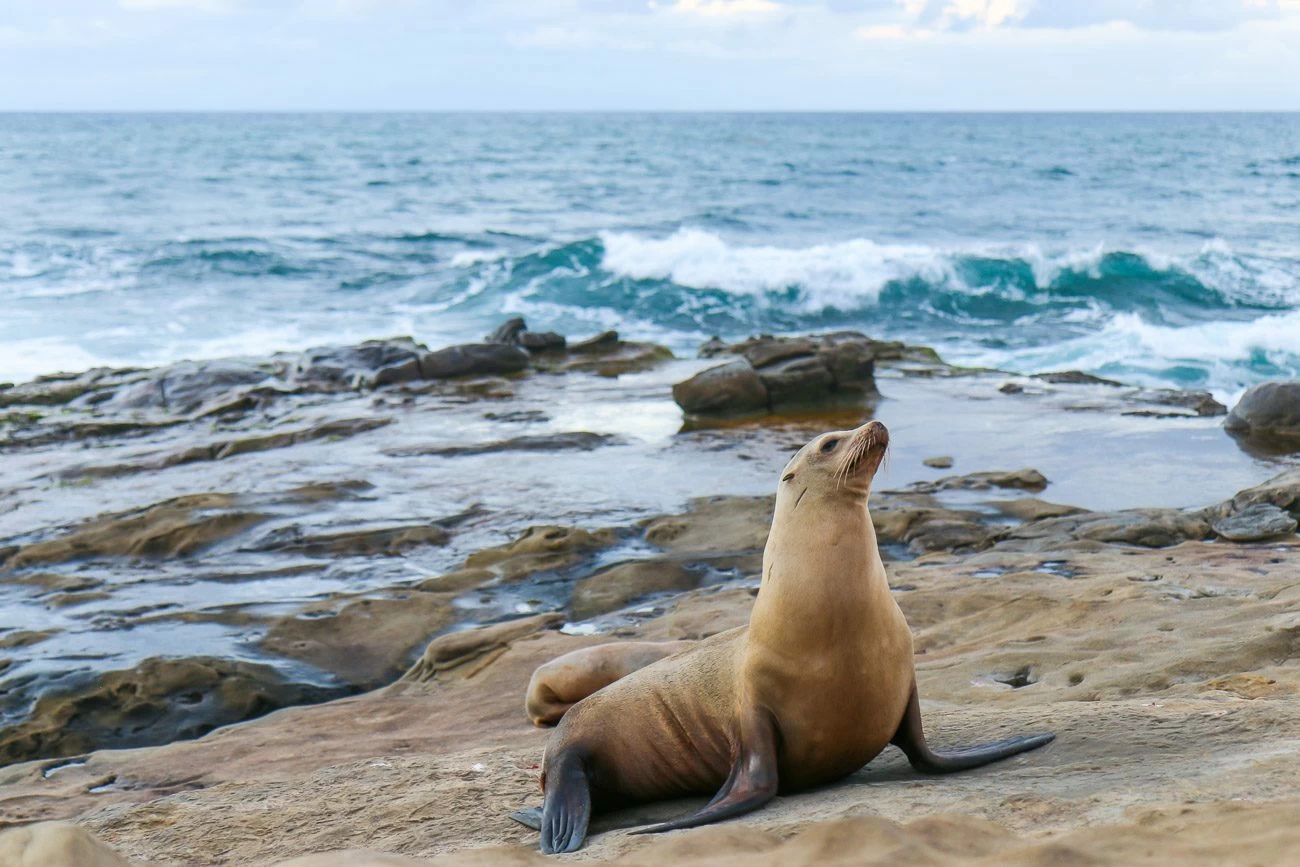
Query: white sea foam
point(844, 275)
point(1127, 341)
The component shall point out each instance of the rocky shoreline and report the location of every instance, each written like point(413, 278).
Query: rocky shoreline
point(409, 532)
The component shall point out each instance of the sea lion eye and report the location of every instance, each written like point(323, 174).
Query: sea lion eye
point(829, 446)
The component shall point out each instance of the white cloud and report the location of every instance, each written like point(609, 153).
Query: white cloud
point(984, 13)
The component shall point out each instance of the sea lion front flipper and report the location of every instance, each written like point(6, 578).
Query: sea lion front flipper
point(751, 784)
point(530, 817)
point(566, 809)
point(911, 740)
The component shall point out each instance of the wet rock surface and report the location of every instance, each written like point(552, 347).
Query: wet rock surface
point(1269, 411)
point(160, 700)
point(776, 372)
point(1256, 523)
point(322, 522)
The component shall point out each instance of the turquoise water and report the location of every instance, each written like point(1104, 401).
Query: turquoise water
point(1162, 249)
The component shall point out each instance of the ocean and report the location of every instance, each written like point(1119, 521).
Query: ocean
point(1157, 249)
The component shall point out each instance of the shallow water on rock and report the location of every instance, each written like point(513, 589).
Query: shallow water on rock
point(221, 599)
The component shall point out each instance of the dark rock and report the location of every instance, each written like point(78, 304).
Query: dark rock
point(1270, 409)
point(1255, 523)
point(792, 370)
point(1201, 403)
point(1011, 388)
point(575, 440)
point(762, 354)
point(602, 342)
point(508, 332)
point(374, 362)
point(473, 359)
point(734, 387)
point(623, 584)
point(1148, 528)
point(182, 388)
point(158, 701)
point(542, 341)
point(1074, 377)
point(714, 346)
point(797, 380)
point(851, 363)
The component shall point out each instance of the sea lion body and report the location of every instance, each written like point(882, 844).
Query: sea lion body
point(819, 682)
point(564, 681)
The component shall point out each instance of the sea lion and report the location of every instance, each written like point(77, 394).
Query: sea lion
point(564, 681)
point(818, 683)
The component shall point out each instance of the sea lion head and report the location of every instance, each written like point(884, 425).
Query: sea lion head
point(838, 463)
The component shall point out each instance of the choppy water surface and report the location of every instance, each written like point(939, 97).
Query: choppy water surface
point(1162, 249)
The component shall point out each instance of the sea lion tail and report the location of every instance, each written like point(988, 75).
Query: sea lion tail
point(566, 809)
point(911, 740)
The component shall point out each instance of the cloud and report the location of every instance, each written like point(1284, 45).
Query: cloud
point(983, 13)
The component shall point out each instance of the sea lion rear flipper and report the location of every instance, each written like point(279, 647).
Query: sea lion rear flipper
point(911, 740)
point(566, 809)
point(530, 817)
point(751, 784)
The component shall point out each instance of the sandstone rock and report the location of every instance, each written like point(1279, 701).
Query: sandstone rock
point(385, 541)
point(620, 585)
point(1282, 490)
point(158, 701)
point(1255, 523)
point(1270, 409)
point(1033, 509)
point(941, 462)
point(473, 359)
point(475, 647)
point(174, 528)
point(571, 441)
point(56, 844)
point(368, 642)
point(539, 549)
point(715, 525)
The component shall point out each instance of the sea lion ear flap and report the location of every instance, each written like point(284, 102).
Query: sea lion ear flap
point(751, 784)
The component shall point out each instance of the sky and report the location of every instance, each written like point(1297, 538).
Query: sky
point(744, 55)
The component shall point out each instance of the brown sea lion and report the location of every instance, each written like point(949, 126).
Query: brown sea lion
point(818, 683)
point(564, 681)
